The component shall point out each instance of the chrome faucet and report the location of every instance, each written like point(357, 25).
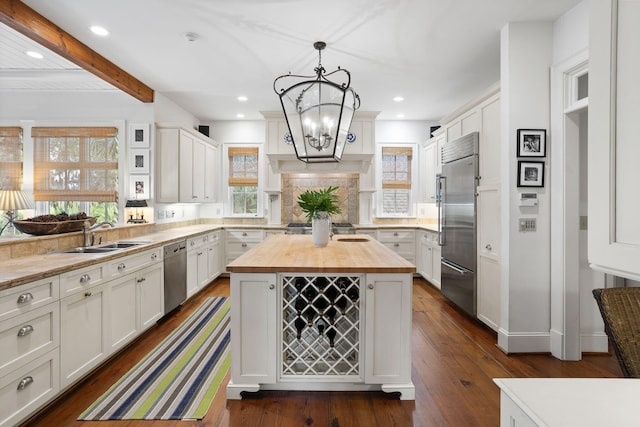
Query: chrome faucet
point(89, 239)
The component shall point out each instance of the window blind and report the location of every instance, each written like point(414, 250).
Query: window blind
point(243, 166)
point(10, 158)
point(396, 167)
point(75, 164)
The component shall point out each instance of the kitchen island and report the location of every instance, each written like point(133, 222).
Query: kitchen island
point(331, 318)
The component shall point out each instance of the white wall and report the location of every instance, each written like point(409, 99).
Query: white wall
point(571, 32)
point(168, 113)
point(526, 55)
point(414, 131)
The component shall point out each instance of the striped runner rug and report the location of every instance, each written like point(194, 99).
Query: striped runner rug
point(179, 378)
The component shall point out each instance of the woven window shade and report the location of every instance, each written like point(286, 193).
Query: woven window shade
point(75, 164)
point(396, 167)
point(243, 166)
point(10, 158)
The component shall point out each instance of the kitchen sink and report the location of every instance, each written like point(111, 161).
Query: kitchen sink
point(101, 249)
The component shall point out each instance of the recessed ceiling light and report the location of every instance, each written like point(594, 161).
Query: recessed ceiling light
point(242, 98)
point(400, 116)
point(191, 37)
point(99, 31)
point(240, 116)
point(33, 54)
point(398, 98)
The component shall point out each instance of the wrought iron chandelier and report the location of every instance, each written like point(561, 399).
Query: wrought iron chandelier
point(318, 111)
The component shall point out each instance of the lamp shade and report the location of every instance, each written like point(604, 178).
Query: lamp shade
point(136, 204)
point(318, 110)
point(13, 200)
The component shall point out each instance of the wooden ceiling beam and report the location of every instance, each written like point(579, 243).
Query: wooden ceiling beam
point(30, 23)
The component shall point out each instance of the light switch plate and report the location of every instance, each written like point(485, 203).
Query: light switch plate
point(527, 224)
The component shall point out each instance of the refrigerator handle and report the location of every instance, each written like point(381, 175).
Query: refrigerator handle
point(441, 219)
point(454, 268)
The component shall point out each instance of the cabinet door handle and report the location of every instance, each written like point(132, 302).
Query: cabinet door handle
point(272, 286)
point(488, 247)
point(25, 330)
point(396, 244)
point(25, 298)
point(87, 294)
point(142, 279)
point(395, 234)
point(122, 266)
point(85, 278)
point(154, 255)
point(244, 245)
point(370, 286)
point(199, 253)
point(244, 234)
point(24, 383)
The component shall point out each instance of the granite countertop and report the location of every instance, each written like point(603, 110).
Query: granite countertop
point(17, 271)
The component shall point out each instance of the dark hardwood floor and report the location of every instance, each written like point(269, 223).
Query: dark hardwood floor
point(454, 361)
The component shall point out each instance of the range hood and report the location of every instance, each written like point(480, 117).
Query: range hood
point(350, 163)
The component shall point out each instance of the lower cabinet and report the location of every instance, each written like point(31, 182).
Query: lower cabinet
point(360, 339)
point(83, 333)
point(203, 261)
point(150, 296)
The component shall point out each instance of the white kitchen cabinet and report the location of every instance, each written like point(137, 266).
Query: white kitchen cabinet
point(388, 330)
point(83, 332)
point(29, 387)
point(196, 156)
point(197, 259)
point(613, 174)
point(429, 256)
point(254, 330)
point(239, 241)
point(488, 275)
point(214, 256)
point(428, 172)
point(131, 263)
point(149, 296)
point(401, 241)
point(122, 326)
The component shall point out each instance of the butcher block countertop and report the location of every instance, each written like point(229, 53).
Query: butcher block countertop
point(345, 253)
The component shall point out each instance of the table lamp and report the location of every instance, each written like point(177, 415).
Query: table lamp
point(11, 201)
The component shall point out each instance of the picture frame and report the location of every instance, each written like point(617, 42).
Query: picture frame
point(139, 187)
point(139, 161)
point(532, 143)
point(530, 174)
point(139, 135)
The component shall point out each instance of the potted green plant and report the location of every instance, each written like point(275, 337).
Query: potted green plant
point(319, 205)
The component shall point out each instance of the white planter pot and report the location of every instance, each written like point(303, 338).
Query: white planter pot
point(321, 229)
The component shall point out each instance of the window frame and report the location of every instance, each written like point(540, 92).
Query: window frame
point(413, 181)
point(259, 190)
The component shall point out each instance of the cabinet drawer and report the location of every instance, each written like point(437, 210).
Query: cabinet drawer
point(29, 296)
point(79, 280)
point(28, 388)
point(396, 235)
point(244, 235)
point(401, 247)
point(238, 248)
point(128, 264)
point(27, 336)
point(428, 236)
point(197, 242)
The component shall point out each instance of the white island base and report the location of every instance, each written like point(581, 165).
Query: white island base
point(330, 327)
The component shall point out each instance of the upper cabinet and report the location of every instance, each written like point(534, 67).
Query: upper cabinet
point(614, 67)
point(187, 166)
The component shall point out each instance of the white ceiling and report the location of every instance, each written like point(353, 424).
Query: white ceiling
point(437, 54)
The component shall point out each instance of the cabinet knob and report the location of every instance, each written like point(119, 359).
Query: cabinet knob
point(142, 279)
point(244, 234)
point(199, 253)
point(85, 278)
point(25, 298)
point(121, 266)
point(395, 234)
point(244, 245)
point(370, 286)
point(24, 383)
point(396, 244)
point(272, 286)
point(488, 247)
point(87, 294)
point(154, 255)
point(25, 330)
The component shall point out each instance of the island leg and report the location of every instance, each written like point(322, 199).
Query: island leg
point(234, 390)
point(407, 391)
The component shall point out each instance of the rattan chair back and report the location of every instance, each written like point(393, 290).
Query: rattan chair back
point(620, 309)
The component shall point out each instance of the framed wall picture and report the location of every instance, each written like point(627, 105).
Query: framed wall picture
point(530, 174)
point(139, 160)
point(139, 135)
point(532, 142)
point(139, 187)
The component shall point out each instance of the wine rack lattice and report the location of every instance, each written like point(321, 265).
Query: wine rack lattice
point(320, 325)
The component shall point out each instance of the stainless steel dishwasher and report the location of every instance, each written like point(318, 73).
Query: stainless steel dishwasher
point(175, 275)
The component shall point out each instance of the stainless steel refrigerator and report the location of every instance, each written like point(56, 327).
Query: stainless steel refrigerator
point(458, 182)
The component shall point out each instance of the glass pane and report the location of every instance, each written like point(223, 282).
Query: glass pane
point(583, 86)
point(238, 203)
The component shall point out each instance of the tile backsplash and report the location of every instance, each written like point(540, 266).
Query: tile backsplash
point(295, 184)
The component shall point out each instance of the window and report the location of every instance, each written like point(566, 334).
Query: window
point(243, 180)
point(10, 158)
point(76, 169)
point(396, 181)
